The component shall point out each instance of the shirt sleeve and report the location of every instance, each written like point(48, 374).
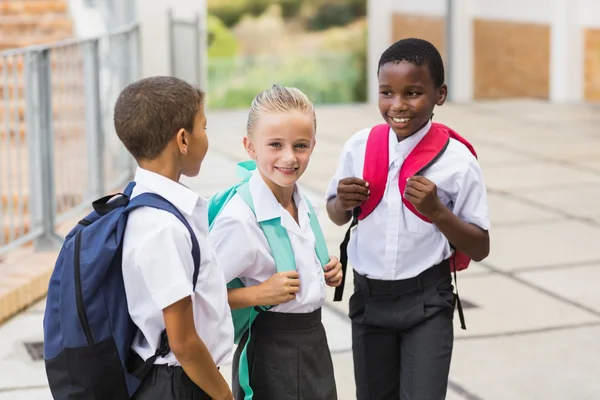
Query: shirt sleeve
point(471, 203)
point(234, 246)
point(344, 169)
point(164, 258)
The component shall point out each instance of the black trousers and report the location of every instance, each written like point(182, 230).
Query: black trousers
point(402, 336)
point(168, 383)
point(288, 358)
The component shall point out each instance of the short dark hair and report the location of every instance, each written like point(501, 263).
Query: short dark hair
point(150, 112)
point(417, 52)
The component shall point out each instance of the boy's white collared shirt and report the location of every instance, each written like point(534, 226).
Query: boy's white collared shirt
point(244, 252)
point(158, 269)
point(392, 243)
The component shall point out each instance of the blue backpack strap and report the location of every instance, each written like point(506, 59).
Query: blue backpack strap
point(320, 243)
point(155, 201)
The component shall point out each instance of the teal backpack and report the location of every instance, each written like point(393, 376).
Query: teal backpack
point(281, 250)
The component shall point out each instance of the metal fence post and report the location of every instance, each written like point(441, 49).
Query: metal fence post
point(40, 132)
point(449, 50)
point(198, 52)
point(171, 43)
point(93, 118)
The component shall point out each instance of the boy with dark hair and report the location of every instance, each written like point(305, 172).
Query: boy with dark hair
point(161, 121)
point(416, 195)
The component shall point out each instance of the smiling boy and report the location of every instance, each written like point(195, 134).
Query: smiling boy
point(403, 305)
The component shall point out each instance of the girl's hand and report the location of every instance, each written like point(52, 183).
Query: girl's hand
point(333, 272)
point(280, 288)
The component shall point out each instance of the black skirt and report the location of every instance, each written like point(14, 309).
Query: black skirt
point(288, 358)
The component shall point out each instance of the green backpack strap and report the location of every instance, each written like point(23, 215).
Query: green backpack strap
point(218, 201)
point(277, 236)
point(283, 255)
point(320, 243)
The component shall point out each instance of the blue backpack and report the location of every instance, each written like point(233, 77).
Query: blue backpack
point(87, 328)
point(281, 250)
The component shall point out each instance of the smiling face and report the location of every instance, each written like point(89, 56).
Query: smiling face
point(281, 143)
point(407, 96)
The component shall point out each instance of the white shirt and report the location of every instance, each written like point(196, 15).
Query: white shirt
point(244, 252)
point(158, 269)
point(392, 243)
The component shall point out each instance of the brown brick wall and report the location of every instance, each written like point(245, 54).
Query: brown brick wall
point(420, 26)
point(511, 59)
point(592, 64)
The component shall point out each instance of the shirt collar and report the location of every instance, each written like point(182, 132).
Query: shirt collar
point(407, 145)
point(266, 206)
point(176, 193)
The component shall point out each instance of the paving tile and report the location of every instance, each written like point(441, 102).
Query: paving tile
point(593, 164)
point(556, 365)
point(576, 283)
point(491, 156)
point(27, 394)
point(506, 305)
point(537, 175)
point(505, 210)
point(582, 201)
point(17, 370)
point(551, 243)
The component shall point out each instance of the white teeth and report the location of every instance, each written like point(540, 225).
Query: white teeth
point(400, 120)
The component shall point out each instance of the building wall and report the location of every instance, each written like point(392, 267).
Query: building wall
point(426, 27)
point(590, 21)
point(511, 48)
point(592, 64)
point(512, 59)
point(511, 42)
point(154, 32)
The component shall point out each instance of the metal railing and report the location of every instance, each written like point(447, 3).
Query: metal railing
point(58, 149)
point(185, 44)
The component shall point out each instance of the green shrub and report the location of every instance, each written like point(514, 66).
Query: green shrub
point(330, 78)
point(229, 11)
point(232, 11)
point(222, 41)
point(329, 13)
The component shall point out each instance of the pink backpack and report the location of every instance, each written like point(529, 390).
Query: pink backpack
point(375, 171)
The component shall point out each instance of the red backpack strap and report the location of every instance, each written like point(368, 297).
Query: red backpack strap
point(376, 167)
point(425, 153)
point(459, 138)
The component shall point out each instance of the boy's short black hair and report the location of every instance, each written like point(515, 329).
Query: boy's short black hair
point(150, 112)
point(417, 52)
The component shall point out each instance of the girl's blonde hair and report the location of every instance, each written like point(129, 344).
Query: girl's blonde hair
point(279, 99)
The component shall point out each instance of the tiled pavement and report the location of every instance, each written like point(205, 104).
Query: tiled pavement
point(535, 322)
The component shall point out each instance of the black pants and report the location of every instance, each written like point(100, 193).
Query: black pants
point(168, 383)
point(402, 336)
point(288, 358)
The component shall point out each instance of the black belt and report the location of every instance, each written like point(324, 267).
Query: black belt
point(429, 277)
point(287, 321)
